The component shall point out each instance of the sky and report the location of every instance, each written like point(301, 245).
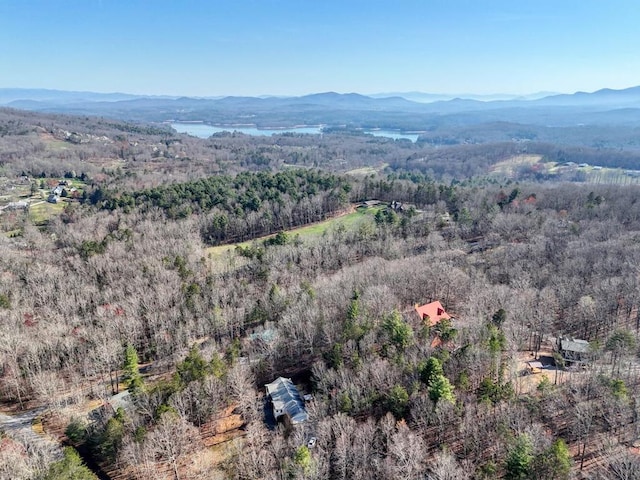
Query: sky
point(296, 47)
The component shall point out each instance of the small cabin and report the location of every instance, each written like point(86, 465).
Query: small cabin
point(432, 313)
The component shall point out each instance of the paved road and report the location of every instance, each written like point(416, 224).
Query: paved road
point(18, 427)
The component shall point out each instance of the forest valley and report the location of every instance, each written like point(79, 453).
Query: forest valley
point(130, 339)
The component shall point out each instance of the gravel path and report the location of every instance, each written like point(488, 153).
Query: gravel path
point(18, 427)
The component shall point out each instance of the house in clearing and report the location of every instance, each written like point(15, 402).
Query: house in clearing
point(432, 313)
point(286, 400)
point(370, 203)
point(573, 350)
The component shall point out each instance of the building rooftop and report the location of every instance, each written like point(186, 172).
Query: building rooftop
point(286, 399)
point(434, 311)
point(574, 345)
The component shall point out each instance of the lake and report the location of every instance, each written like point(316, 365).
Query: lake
point(205, 131)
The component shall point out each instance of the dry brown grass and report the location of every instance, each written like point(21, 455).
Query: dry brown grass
point(510, 166)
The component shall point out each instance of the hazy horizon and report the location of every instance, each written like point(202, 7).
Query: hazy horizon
point(287, 48)
point(284, 95)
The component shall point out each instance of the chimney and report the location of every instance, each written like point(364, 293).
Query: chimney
point(440, 311)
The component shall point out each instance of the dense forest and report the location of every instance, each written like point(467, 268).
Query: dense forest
point(245, 206)
point(132, 342)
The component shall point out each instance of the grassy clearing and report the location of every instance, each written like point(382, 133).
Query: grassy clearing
point(55, 145)
point(510, 166)
point(595, 175)
point(348, 221)
point(42, 212)
point(364, 171)
point(52, 143)
point(615, 176)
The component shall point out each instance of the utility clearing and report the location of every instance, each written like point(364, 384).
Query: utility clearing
point(351, 218)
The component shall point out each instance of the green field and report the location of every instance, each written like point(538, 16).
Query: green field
point(349, 221)
point(42, 212)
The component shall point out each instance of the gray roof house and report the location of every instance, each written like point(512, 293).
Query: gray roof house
point(286, 400)
point(573, 350)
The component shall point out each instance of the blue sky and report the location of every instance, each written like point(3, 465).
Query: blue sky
point(289, 47)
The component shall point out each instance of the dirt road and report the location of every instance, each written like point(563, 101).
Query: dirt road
point(19, 428)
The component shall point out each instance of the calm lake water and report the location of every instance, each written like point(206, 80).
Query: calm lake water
point(204, 131)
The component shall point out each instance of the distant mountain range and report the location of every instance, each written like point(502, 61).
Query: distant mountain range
point(422, 97)
point(45, 96)
point(401, 111)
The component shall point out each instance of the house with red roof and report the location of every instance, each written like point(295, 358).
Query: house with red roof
point(432, 312)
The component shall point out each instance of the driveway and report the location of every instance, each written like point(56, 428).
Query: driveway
point(18, 427)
